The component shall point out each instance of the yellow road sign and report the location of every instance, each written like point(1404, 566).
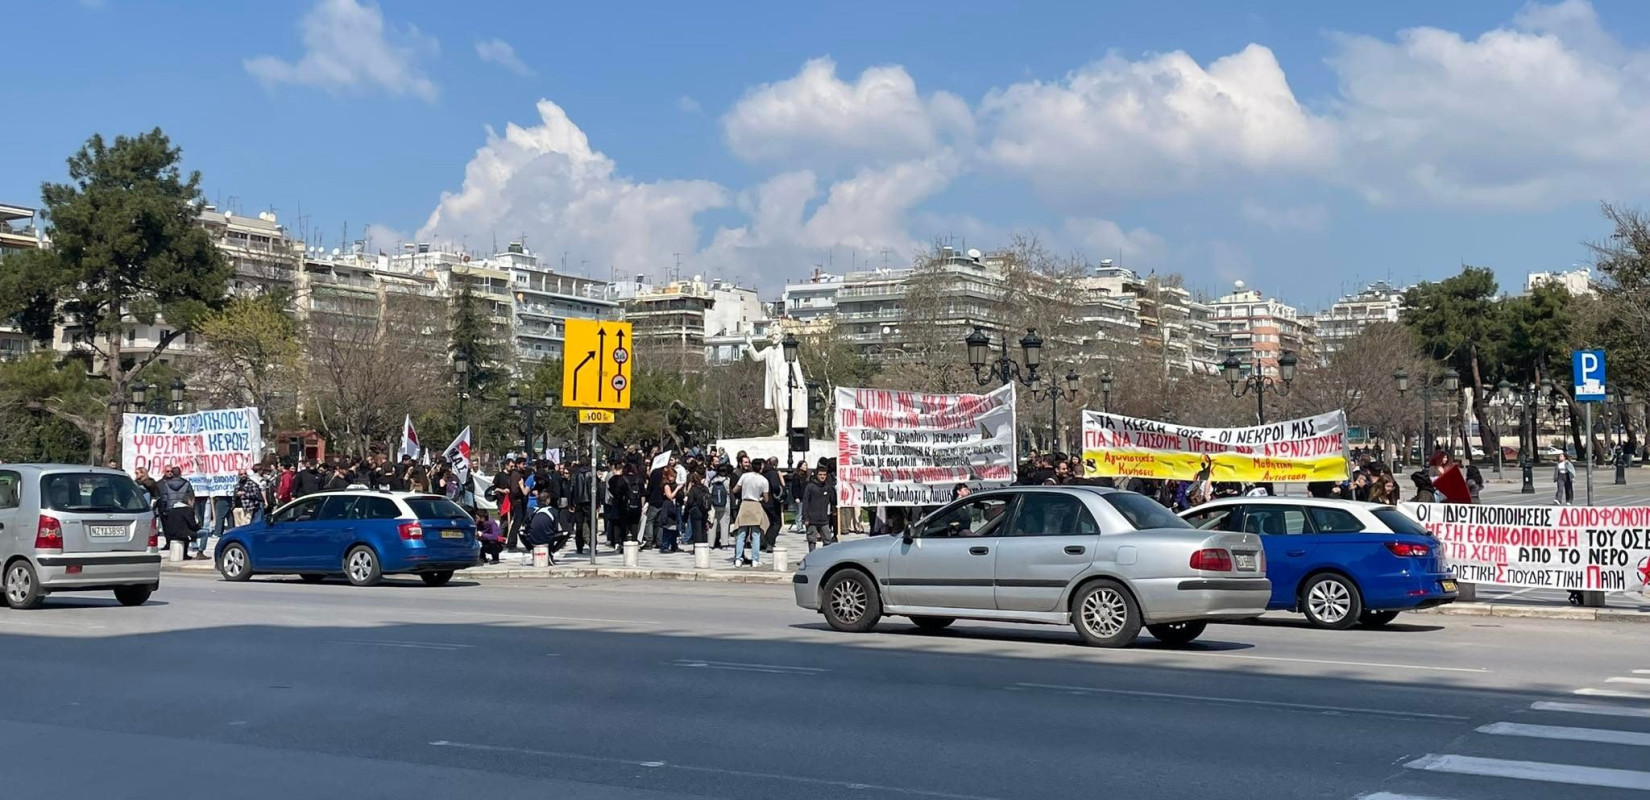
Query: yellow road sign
point(595, 416)
point(596, 364)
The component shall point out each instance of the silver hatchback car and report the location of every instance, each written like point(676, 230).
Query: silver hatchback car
point(67, 528)
point(1108, 562)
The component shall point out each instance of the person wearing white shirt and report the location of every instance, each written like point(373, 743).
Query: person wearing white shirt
point(752, 489)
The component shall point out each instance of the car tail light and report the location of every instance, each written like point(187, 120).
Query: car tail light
point(49, 534)
point(1407, 550)
point(154, 534)
point(1212, 559)
point(411, 532)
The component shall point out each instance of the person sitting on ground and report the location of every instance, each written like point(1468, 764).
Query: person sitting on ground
point(492, 540)
point(543, 529)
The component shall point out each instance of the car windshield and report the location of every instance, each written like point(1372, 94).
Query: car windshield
point(1143, 512)
point(1399, 522)
point(91, 493)
point(435, 508)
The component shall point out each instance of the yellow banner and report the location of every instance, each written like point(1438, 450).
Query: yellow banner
point(1292, 451)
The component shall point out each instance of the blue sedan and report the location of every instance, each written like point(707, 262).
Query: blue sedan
point(363, 535)
point(1339, 562)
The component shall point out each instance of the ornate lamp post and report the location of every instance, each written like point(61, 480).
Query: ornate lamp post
point(1053, 392)
point(790, 345)
point(1106, 381)
point(529, 410)
point(1004, 369)
point(178, 391)
point(139, 401)
point(461, 374)
point(1258, 383)
point(1452, 384)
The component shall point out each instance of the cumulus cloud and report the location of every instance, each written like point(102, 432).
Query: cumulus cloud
point(348, 47)
point(816, 117)
point(1161, 123)
point(1309, 217)
point(498, 51)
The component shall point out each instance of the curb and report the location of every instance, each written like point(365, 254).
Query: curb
point(617, 573)
point(1538, 612)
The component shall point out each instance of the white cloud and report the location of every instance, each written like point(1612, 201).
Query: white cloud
point(498, 51)
point(347, 46)
point(1309, 217)
point(687, 105)
point(818, 118)
point(1103, 238)
point(1159, 124)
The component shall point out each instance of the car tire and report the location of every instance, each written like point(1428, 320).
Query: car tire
point(1331, 601)
point(1177, 634)
point(436, 578)
point(850, 603)
point(313, 577)
point(22, 586)
point(133, 595)
point(1105, 615)
point(361, 566)
point(234, 564)
point(1376, 619)
point(932, 624)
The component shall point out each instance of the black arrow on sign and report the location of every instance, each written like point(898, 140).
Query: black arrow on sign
point(587, 357)
point(601, 363)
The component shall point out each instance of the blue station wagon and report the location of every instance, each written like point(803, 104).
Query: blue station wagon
point(360, 534)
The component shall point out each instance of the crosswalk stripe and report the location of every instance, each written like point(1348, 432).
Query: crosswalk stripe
point(1599, 735)
point(1591, 708)
point(1533, 771)
point(1612, 693)
point(1644, 681)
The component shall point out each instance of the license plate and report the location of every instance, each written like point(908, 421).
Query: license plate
point(106, 531)
point(452, 534)
point(1245, 561)
point(1449, 586)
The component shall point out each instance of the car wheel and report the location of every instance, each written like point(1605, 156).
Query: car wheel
point(1376, 619)
point(850, 602)
point(313, 577)
point(1177, 633)
point(234, 564)
point(1331, 601)
point(436, 578)
point(133, 595)
point(22, 586)
point(361, 566)
point(1105, 615)
point(932, 624)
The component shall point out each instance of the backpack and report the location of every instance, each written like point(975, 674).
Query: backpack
point(633, 498)
point(719, 494)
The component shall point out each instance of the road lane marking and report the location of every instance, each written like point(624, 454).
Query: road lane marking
point(1534, 771)
point(732, 773)
point(1340, 663)
point(1379, 712)
point(1641, 672)
point(1591, 708)
point(1391, 796)
point(1613, 693)
point(407, 645)
point(1599, 735)
point(1641, 681)
point(773, 669)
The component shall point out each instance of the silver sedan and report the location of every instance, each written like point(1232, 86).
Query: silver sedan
point(1107, 562)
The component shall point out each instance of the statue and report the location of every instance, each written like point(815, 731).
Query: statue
point(775, 386)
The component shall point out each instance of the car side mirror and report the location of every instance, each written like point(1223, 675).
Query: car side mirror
point(268, 520)
point(906, 536)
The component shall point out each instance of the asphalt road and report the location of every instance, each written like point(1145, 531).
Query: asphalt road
point(601, 689)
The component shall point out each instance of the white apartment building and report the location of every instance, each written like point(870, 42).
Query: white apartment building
point(1161, 315)
point(545, 299)
point(19, 231)
point(1577, 282)
point(813, 300)
point(1348, 316)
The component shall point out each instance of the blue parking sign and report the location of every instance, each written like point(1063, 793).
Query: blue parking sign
point(1588, 366)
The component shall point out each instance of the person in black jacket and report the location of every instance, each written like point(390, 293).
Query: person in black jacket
point(774, 507)
point(308, 481)
point(543, 528)
point(816, 511)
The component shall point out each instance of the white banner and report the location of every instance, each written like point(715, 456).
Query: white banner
point(1551, 547)
point(210, 447)
point(911, 448)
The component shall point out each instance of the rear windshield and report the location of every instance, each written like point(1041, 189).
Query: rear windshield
point(435, 508)
point(1399, 522)
point(1143, 512)
point(91, 493)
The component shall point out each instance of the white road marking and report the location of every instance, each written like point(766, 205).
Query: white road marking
point(1641, 672)
point(1342, 663)
point(1599, 735)
point(773, 669)
point(732, 773)
point(1534, 771)
point(1380, 712)
point(1591, 708)
point(408, 645)
point(1641, 681)
point(1391, 796)
point(1613, 693)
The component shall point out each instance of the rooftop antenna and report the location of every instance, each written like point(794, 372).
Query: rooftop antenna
point(495, 239)
point(234, 204)
point(886, 252)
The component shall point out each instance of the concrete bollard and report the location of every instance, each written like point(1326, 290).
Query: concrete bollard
point(632, 552)
point(541, 555)
point(781, 560)
point(701, 556)
point(174, 550)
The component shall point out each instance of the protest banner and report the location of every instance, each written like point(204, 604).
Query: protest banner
point(1292, 451)
point(1580, 548)
point(209, 447)
point(911, 448)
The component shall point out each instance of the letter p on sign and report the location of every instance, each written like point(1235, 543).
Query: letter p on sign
point(1589, 377)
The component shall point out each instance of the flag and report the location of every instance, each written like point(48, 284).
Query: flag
point(409, 439)
point(458, 455)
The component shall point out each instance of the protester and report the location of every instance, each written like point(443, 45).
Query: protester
point(492, 541)
point(1564, 481)
point(772, 506)
point(751, 519)
point(150, 486)
point(177, 504)
point(698, 509)
point(669, 517)
point(543, 530)
point(721, 493)
point(815, 511)
point(249, 500)
point(287, 484)
point(308, 480)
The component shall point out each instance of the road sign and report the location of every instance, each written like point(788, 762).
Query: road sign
point(596, 364)
point(595, 416)
point(1588, 366)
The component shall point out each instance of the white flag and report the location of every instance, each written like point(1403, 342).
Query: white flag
point(409, 439)
point(458, 455)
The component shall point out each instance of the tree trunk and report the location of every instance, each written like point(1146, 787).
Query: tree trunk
point(1480, 412)
point(116, 402)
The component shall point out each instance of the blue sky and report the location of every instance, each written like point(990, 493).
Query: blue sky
point(1302, 147)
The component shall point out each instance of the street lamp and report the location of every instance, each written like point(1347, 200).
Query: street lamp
point(790, 345)
point(461, 373)
point(529, 409)
point(1105, 391)
point(1452, 384)
point(178, 390)
point(1053, 392)
point(140, 397)
point(1528, 399)
point(1004, 369)
point(1258, 383)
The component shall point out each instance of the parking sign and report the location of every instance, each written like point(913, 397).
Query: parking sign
point(1588, 366)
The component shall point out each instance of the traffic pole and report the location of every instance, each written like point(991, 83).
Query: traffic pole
point(1588, 408)
point(593, 507)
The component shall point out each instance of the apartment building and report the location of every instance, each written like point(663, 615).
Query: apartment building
point(1157, 313)
point(812, 300)
point(19, 231)
point(1577, 282)
point(1348, 316)
point(545, 299)
point(967, 287)
point(1257, 329)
